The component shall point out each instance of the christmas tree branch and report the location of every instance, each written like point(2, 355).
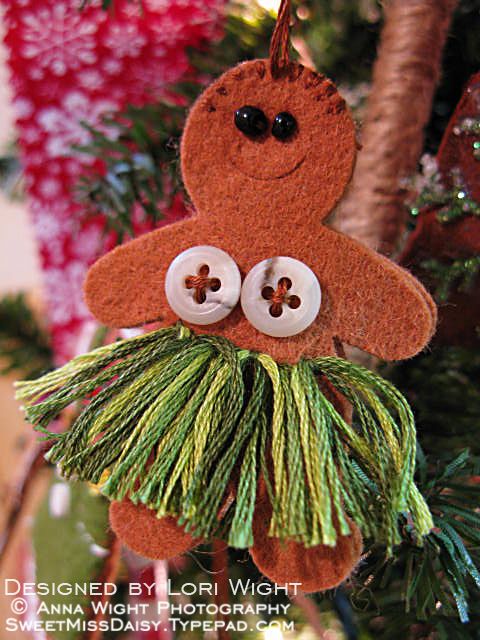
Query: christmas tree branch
point(138, 149)
point(442, 389)
point(404, 79)
point(24, 344)
point(435, 585)
point(459, 275)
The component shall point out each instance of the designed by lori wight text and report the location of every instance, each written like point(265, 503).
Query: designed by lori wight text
point(14, 587)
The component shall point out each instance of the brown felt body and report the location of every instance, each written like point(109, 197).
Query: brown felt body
point(367, 301)
point(257, 199)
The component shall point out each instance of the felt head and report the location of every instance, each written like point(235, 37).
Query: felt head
point(259, 139)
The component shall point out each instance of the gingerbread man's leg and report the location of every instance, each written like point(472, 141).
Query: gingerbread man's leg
point(315, 568)
point(141, 531)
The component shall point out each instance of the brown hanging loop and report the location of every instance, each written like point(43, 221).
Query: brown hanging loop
point(280, 42)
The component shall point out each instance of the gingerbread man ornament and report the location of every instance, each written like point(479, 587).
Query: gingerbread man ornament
point(265, 160)
point(267, 152)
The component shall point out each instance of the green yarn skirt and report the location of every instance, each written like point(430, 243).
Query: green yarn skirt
point(172, 420)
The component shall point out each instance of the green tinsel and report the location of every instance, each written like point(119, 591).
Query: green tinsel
point(174, 419)
point(462, 272)
point(452, 204)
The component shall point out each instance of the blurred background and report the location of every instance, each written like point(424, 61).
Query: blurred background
point(19, 271)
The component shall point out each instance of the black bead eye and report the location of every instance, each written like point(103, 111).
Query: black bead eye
point(284, 125)
point(251, 121)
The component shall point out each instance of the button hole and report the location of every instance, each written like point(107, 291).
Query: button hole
point(294, 302)
point(285, 283)
point(276, 310)
point(215, 284)
point(267, 293)
point(203, 270)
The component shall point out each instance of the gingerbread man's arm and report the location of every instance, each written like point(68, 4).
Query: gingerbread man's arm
point(126, 287)
point(373, 303)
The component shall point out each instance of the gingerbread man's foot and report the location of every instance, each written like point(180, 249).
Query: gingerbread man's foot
point(316, 568)
point(141, 531)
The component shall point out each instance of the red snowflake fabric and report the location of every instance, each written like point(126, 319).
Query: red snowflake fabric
point(70, 66)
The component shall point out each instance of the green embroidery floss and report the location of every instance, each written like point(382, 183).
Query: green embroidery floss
point(173, 420)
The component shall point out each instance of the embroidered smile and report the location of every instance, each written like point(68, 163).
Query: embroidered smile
point(274, 176)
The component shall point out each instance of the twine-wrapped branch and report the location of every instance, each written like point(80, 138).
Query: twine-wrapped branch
point(404, 80)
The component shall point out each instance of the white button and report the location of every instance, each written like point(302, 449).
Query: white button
point(203, 285)
point(281, 296)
